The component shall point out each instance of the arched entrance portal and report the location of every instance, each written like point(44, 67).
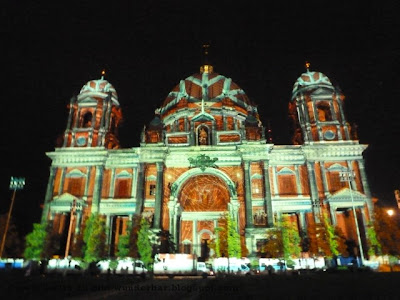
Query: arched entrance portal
point(203, 199)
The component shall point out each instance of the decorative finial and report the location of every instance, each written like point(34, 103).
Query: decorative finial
point(307, 64)
point(103, 73)
point(206, 67)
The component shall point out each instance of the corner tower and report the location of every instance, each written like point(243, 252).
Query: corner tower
point(316, 110)
point(94, 116)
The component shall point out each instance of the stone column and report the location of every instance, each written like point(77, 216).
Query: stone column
point(159, 194)
point(101, 133)
point(339, 133)
point(324, 178)
point(91, 129)
point(333, 215)
point(140, 189)
point(98, 183)
point(233, 207)
point(298, 182)
point(213, 139)
point(89, 171)
point(108, 233)
point(172, 220)
point(224, 121)
point(185, 122)
point(343, 118)
point(49, 194)
point(78, 116)
point(249, 208)
point(307, 125)
point(107, 116)
point(177, 223)
point(268, 198)
point(314, 191)
point(134, 183)
point(302, 220)
point(112, 184)
point(364, 218)
point(301, 116)
point(274, 181)
point(78, 221)
point(108, 113)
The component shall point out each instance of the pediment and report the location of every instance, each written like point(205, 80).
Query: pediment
point(151, 178)
point(345, 194)
point(337, 167)
point(285, 171)
point(65, 197)
point(202, 117)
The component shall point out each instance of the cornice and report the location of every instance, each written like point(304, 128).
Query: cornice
point(255, 152)
point(288, 154)
point(333, 151)
point(78, 156)
point(94, 157)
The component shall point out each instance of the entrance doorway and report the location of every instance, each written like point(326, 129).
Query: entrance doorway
point(205, 250)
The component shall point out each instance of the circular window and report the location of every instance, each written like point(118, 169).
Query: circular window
point(81, 141)
point(329, 135)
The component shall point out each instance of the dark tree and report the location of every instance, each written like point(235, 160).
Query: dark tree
point(13, 244)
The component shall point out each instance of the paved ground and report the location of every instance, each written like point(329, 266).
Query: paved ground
point(345, 285)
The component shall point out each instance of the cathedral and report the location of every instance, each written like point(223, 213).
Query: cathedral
point(205, 154)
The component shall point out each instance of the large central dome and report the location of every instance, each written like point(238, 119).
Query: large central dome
point(205, 109)
point(213, 89)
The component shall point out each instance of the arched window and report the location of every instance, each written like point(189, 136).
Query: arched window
point(87, 120)
point(334, 181)
point(75, 182)
point(287, 182)
point(324, 112)
point(123, 185)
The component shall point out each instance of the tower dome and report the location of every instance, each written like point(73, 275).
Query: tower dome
point(98, 88)
point(316, 110)
point(310, 79)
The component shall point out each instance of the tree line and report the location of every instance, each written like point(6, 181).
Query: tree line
point(284, 240)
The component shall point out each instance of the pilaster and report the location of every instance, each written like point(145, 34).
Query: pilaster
point(249, 208)
point(159, 193)
point(97, 189)
point(268, 198)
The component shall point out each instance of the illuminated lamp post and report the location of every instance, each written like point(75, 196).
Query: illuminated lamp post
point(74, 208)
point(15, 184)
point(390, 212)
point(348, 176)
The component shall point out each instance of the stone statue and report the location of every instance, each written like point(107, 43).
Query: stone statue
point(203, 137)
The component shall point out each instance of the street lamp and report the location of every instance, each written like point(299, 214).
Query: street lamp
point(15, 184)
point(390, 212)
point(74, 208)
point(348, 176)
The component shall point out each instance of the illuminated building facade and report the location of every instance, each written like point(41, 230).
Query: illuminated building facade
point(205, 153)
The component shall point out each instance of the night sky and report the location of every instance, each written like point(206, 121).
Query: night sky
point(50, 52)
